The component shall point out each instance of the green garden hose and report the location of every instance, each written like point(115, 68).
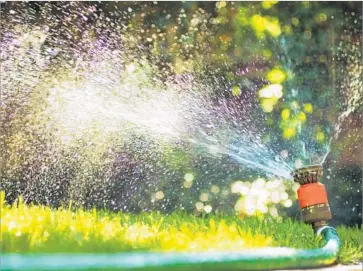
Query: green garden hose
point(259, 259)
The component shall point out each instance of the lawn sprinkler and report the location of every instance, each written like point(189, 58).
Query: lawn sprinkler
point(312, 196)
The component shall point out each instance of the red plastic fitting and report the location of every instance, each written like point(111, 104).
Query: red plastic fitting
point(312, 194)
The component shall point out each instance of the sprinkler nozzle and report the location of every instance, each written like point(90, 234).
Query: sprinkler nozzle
point(312, 196)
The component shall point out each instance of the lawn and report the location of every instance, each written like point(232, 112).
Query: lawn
point(42, 229)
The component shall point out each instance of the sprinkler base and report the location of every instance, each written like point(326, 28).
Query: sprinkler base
point(316, 213)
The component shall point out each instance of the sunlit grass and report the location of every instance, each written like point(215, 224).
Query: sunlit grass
point(41, 229)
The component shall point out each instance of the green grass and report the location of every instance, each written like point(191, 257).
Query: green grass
point(40, 229)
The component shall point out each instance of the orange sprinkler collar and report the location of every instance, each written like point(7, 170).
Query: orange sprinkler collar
point(312, 196)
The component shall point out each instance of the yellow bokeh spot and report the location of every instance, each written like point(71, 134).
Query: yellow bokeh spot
point(289, 132)
point(236, 91)
point(268, 4)
point(320, 136)
point(285, 114)
point(268, 105)
point(306, 4)
point(274, 28)
point(159, 195)
point(276, 76)
point(295, 21)
point(204, 197)
point(188, 177)
point(258, 23)
point(287, 29)
point(301, 116)
point(307, 34)
point(323, 58)
point(308, 108)
point(221, 4)
point(321, 17)
point(199, 205)
point(267, 53)
point(215, 189)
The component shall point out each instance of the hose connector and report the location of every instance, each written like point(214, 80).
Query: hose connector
point(312, 196)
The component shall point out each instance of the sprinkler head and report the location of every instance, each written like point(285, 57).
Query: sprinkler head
point(306, 175)
point(312, 196)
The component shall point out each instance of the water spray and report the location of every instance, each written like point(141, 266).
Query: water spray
point(122, 105)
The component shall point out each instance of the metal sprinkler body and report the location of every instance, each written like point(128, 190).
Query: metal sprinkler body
point(312, 196)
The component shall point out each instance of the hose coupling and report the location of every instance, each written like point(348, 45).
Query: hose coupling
point(312, 196)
